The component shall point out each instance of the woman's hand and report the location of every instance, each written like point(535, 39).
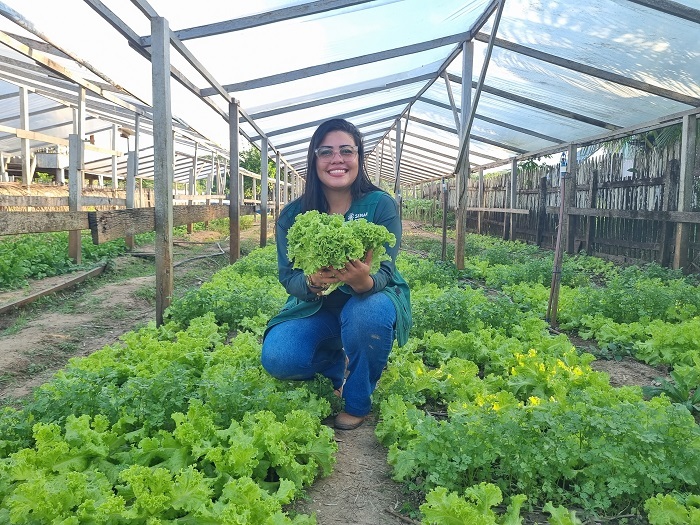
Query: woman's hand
point(320, 280)
point(356, 274)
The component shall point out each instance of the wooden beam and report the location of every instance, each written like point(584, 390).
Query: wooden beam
point(18, 222)
point(76, 279)
point(347, 115)
point(671, 8)
point(688, 217)
point(335, 95)
point(36, 201)
point(268, 17)
point(44, 60)
point(289, 76)
point(116, 224)
point(517, 211)
point(50, 139)
point(541, 105)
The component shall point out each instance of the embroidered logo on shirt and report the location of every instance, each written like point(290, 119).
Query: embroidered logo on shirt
point(356, 216)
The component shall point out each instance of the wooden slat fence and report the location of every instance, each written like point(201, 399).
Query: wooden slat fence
point(628, 217)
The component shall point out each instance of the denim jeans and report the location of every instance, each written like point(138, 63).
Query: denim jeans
point(363, 330)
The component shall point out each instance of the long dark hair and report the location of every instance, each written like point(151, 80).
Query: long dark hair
point(313, 197)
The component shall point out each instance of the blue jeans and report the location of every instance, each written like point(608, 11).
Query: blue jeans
point(363, 330)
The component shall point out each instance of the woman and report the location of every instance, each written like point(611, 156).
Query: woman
point(347, 335)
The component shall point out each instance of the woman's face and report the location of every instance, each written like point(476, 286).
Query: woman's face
point(337, 163)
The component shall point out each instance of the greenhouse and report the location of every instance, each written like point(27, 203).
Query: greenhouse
point(550, 241)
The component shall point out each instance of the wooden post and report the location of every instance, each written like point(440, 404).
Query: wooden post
point(444, 219)
point(462, 171)
point(591, 221)
point(480, 202)
point(278, 185)
point(163, 162)
point(132, 172)
point(131, 167)
point(235, 186)
point(115, 182)
point(397, 168)
point(542, 212)
point(4, 177)
point(255, 198)
point(75, 191)
point(210, 180)
point(685, 193)
point(25, 145)
point(285, 198)
point(75, 174)
point(513, 198)
point(192, 186)
point(670, 186)
point(568, 222)
point(263, 192)
point(553, 304)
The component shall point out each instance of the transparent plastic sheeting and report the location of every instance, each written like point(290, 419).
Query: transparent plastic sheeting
point(544, 86)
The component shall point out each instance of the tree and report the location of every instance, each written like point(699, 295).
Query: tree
point(250, 160)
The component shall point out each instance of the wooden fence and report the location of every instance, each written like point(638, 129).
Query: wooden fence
point(622, 209)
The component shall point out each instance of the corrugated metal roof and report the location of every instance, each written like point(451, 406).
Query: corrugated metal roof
point(560, 71)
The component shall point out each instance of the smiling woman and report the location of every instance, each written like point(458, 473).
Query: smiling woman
point(347, 334)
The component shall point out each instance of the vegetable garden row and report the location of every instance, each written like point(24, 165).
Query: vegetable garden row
point(485, 413)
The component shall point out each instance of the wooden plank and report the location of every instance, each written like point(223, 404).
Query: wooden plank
point(623, 243)
point(103, 201)
point(198, 197)
point(116, 224)
point(17, 222)
point(501, 210)
point(690, 217)
point(42, 293)
point(43, 137)
point(35, 201)
point(590, 223)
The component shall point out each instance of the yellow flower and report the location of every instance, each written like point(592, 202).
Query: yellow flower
point(534, 401)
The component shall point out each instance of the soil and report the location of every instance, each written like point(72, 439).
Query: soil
point(38, 339)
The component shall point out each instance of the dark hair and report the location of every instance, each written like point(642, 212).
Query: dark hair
point(313, 197)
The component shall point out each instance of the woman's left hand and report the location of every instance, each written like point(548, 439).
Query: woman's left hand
point(356, 274)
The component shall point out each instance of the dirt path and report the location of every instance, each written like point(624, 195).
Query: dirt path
point(360, 490)
point(30, 356)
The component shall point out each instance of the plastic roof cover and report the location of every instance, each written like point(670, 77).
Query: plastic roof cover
point(560, 71)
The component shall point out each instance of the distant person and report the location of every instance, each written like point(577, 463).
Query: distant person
point(347, 335)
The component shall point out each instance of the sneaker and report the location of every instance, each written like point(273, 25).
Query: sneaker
point(345, 421)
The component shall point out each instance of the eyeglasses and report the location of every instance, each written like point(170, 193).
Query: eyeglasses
point(327, 152)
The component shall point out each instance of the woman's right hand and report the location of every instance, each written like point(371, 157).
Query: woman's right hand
point(322, 279)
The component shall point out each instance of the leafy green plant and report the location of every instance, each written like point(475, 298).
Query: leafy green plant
point(320, 240)
point(673, 509)
point(683, 389)
point(476, 506)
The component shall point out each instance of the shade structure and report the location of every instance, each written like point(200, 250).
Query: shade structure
point(547, 74)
